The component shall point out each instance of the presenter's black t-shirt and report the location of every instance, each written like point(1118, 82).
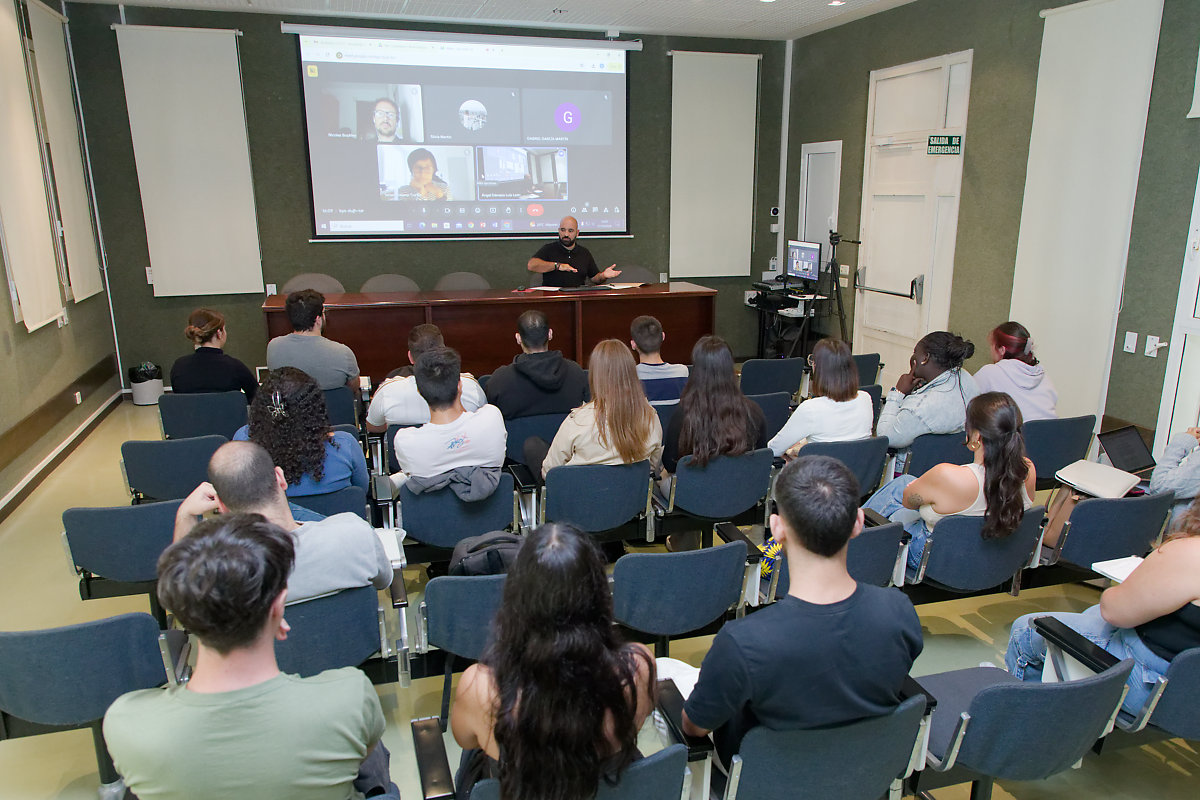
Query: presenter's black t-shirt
point(578, 257)
point(797, 665)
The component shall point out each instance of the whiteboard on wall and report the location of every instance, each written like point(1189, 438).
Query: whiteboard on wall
point(1085, 152)
point(62, 134)
point(183, 89)
point(714, 119)
point(26, 235)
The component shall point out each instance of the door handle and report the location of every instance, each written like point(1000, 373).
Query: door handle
point(916, 288)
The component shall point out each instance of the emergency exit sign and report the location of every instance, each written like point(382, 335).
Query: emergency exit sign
point(945, 146)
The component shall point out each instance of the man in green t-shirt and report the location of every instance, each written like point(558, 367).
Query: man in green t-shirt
point(241, 728)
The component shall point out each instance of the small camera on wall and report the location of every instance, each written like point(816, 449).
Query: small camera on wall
point(774, 211)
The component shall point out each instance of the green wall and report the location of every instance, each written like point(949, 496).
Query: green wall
point(831, 72)
point(151, 328)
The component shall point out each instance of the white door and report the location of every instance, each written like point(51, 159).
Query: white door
point(910, 206)
point(1180, 405)
point(820, 181)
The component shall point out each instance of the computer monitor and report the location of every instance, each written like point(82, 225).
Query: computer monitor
point(803, 261)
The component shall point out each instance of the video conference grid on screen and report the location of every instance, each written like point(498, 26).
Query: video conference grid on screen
point(454, 138)
point(803, 260)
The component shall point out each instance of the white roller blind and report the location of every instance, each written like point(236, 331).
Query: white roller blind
point(27, 236)
point(1085, 150)
point(714, 112)
point(183, 89)
point(62, 133)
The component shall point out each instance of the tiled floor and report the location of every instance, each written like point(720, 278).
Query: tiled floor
point(37, 590)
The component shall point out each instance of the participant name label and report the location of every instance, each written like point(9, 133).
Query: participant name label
point(945, 146)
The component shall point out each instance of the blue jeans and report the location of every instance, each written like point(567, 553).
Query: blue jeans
point(1027, 651)
point(888, 501)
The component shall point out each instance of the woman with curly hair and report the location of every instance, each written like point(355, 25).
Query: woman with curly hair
point(555, 704)
point(998, 485)
point(1152, 616)
point(207, 368)
point(288, 418)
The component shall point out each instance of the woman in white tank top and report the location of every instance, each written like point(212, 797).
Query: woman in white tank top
point(997, 486)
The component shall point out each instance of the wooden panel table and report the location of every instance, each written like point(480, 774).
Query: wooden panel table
point(481, 324)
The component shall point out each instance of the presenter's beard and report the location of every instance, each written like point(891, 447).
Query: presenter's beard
point(566, 242)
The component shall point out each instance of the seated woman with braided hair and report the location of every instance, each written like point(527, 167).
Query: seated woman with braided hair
point(556, 702)
point(289, 419)
point(998, 485)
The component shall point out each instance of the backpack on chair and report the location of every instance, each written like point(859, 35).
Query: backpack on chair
point(488, 554)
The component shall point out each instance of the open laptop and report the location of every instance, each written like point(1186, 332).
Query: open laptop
point(1127, 451)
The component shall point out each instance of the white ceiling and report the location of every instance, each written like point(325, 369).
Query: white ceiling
point(742, 19)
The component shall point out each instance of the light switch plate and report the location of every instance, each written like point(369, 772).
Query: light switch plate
point(1130, 342)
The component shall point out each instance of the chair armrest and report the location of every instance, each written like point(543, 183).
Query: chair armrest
point(670, 705)
point(731, 533)
point(873, 519)
point(912, 688)
point(398, 592)
point(1074, 644)
point(433, 766)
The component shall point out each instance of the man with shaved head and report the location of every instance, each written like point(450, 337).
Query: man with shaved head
point(567, 263)
point(335, 553)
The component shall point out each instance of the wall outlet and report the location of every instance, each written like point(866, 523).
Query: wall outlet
point(149, 276)
point(845, 270)
point(1130, 342)
point(1153, 345)
point(272, 289)
point(774, 264)
point(78, 398)
point(663, 277)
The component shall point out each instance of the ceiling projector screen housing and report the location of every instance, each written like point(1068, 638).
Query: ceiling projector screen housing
point(463, 136)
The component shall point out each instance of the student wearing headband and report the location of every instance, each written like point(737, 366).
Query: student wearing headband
point(1016, 371)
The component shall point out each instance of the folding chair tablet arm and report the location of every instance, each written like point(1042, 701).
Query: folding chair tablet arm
point(670, 705)
point(873, 519)
point(750, 594)
point(433, 765)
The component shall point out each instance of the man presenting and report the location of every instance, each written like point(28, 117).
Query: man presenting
point(567, 263)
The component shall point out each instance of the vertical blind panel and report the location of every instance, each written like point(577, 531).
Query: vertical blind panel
point(1089, 121)
point(714, 108)
point(62, 131)
point(183, 89)
point(24, 210)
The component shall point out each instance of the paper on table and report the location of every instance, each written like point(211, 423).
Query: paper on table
point(618, 285)
point(542, 289)
point(1117, 569)
point(683, 674)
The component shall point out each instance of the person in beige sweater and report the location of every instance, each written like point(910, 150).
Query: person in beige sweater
point(618, 426)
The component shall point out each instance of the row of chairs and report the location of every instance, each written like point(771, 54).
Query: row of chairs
point(385, 282)
point(767, 375)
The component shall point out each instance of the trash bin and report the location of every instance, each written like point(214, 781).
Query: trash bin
point(146, 381)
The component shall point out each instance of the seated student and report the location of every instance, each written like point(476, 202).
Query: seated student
point(208, 368)
point(661, 381)
point(332, 553)
point(539, 381)
point(1178, 470)
point(932, 396)
point(289, 419)
point(331, 364)
point(1015, 370)
point(1152, 616)
point(617, 426)
point(240, 727)
point(397, 402)
point(836, 412)
point(467, 443)
point(546, 736)
point(998, 485)
point(713, 418)
point(832, 651)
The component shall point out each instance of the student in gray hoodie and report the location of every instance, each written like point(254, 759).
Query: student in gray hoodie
point(1016, 372)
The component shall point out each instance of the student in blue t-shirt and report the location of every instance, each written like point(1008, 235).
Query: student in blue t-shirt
point(662, 381)
point(832, 651)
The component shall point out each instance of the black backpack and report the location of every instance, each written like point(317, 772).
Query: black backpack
point(489, 554)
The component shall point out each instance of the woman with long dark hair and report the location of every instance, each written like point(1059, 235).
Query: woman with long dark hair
point(1015, 370)
point(555, 704)
point(618, 425)
point(1152, 616)
point(932, 396)
point(837, 411)
point(998, 485)
point(208, 368)
point(713, 417)
point(289, 419)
